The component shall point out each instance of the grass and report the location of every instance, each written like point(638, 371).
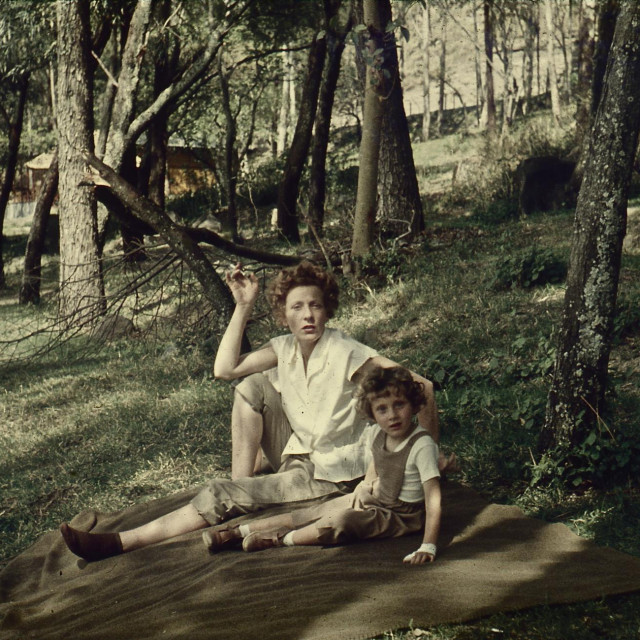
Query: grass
point(104, 426)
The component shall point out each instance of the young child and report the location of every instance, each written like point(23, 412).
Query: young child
point(401, 483)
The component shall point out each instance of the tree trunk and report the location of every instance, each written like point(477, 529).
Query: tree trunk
point(477, 67)
point(177, 237)
point(607, 14)
point(442, 72)
point(30, 287)
point(15, 132)
point(231, 163)
point(399, 204)
point(317, 178)
point(551, 64)
point(426, 78)
point(282, 126)
point(123, 104)
point(510, 86)
point(490, 102)
point(584, 53)
point(577, 395)
point(81, 298)
point(374, 91)
point(530, 30)
point(290, 183)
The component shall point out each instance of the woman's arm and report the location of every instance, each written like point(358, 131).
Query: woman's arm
point(229, 364)
point(433, 506)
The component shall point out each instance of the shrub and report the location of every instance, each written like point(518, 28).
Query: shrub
point(260, 185)
point(626, 321)
point(529, 268)
point(601, 459)
point(193, 205)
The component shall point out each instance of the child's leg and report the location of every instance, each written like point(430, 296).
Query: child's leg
point(280, 521)
point(219, 537)
point(267, 539)
point(308, 535)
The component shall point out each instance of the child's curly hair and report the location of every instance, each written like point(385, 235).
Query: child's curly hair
point(302, 275)
point(382, 381)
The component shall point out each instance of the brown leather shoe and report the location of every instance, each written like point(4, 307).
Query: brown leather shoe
point(260, 540)
point(215, 539)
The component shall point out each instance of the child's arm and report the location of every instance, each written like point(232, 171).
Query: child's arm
point(432, 503)
point(371, 474)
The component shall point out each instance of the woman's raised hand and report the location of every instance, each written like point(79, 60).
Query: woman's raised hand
point(244, 287)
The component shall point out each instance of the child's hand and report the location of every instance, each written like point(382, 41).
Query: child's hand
point(417, 557)
point(426, 553)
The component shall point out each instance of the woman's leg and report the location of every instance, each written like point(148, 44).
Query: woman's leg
point(246, 434)
point(259, 427)
point(97, 546)
point(183, 520)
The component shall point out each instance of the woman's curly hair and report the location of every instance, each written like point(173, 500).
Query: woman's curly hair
point(304, 274)
point(382, 381)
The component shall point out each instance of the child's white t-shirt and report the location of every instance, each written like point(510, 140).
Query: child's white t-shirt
point(422, 463)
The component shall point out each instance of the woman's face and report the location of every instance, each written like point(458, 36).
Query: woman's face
point(305, 314)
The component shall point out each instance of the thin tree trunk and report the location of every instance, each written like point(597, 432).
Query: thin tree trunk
point(477, 67)
point(510, 90)
point(399, 207)
point(490, 102)
point(607, 14)
point(52, 94)
point(124, 101)
point(290, 183)
point(317, 178)
point(178, 238)
point(371, 132)
point(283, 114)
point(551, 64)
point(584, 53)
point(577, 395)
point(81, 298)
point(15, 133)
point(231, 163)
point(426, 77)
point(31, 276)
point(530, 30)
point(442, 73)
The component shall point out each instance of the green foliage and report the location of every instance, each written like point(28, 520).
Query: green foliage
point(382, 267)
point(626, 321)
point(447, 370)
point(260, 185)
point(601, 459)
point(194, 205)
point(530, 357)
point(497, 212)
point(529, 268)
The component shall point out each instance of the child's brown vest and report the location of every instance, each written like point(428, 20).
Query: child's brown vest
point(390, 466)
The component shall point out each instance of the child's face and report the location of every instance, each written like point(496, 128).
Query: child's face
point(394, 414)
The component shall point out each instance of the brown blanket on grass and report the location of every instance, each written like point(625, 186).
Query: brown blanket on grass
point(492, 558)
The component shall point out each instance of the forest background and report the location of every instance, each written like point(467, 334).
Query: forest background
point(431, 153)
